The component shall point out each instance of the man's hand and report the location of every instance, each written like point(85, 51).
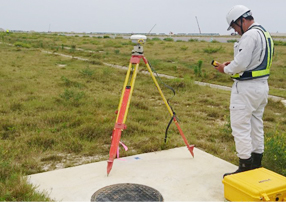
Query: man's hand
point(220, 67)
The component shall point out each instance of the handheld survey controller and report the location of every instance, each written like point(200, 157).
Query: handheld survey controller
point(214, 63)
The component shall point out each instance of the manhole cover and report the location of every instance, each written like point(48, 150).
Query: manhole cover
point(127, 192)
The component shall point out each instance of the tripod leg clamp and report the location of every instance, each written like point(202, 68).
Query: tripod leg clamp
point(120, 126)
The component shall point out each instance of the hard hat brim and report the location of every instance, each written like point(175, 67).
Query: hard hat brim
point(230, 27)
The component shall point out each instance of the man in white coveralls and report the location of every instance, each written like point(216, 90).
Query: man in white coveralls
point(250, 70)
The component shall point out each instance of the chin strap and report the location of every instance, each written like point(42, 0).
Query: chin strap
point(241, 29)
point(242, 32)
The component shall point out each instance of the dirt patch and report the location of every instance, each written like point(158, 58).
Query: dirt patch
point(61, 161)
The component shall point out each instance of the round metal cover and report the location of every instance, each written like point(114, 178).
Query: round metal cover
point(127, 192)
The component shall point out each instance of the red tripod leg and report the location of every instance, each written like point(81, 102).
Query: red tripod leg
point(114, 145)
point(190, 147)
point(118, 128)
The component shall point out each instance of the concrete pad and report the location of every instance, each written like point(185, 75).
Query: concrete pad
point(174, 173)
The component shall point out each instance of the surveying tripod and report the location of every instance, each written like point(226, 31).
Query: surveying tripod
point(128, 87)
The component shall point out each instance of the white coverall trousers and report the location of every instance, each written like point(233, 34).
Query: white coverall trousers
point(247, 103)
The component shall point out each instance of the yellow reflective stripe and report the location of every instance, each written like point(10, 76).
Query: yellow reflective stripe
point(267, 36)
point(260, 72)
point(269, 59)
point(235, 76)
point(272, 49)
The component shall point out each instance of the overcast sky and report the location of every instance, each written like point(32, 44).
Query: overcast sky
point(178, 16)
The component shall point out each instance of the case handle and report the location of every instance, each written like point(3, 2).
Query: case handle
point(265, 197)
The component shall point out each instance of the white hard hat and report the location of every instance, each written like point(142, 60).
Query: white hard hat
point(235, 13)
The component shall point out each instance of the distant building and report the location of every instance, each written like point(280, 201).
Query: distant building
point(182, 34)
point(203, 34)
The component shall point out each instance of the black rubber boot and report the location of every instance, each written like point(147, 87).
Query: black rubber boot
point(244, 165)
point(256, 160)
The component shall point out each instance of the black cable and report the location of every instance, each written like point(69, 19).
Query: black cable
point(174, 93)
point(166, 132)
point(172, 89)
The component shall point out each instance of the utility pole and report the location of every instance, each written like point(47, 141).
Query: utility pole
point(198, 25)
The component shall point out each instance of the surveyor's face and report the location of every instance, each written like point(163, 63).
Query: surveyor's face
point(237, 26)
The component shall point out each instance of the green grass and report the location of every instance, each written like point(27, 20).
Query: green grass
point(58, 110)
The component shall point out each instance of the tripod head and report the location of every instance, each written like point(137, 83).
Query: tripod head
point(139, 40)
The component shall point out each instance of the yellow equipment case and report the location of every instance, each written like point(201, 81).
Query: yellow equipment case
point(255, 185)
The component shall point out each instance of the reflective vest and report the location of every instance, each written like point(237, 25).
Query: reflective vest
point(264, 68)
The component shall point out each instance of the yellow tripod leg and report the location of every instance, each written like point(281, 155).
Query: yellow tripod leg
point(190, 147)
point(132, 84)
point(124, 86)
point(122, 114)
point(158, 87)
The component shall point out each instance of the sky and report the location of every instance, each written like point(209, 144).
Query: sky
point(135, 16)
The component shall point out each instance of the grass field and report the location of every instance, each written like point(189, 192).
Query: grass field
point(57, 112)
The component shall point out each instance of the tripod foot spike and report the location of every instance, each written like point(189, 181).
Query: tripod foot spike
point(109, 167)
point(191, 148)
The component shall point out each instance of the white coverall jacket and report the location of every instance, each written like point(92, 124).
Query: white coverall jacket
point(248, 97)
